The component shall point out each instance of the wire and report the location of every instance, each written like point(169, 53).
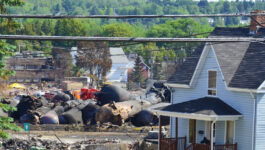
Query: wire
point(130, 39)
point(127, 16)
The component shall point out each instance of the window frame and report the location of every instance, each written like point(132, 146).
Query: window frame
point(208, 88)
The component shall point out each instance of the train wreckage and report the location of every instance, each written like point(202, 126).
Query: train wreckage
point(111, 104)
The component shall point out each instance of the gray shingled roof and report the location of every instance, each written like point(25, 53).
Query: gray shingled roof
point(204, 106)
point(118, 56)
point(184, 72)
point(242, 63)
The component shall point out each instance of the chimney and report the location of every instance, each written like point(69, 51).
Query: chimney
point(256, 21)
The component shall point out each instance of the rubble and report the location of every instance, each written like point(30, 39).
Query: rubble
point(15, 144)
point(111, 104)
point(35, 143)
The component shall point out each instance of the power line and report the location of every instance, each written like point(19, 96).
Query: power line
point(127, 16)
point(130, 39)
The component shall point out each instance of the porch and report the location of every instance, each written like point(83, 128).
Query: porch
point(180, 144)
point(204, 124)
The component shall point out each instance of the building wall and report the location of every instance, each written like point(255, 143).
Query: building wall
point(118, 73)
point(26, 74)
point(260, 123)
point(240, 101)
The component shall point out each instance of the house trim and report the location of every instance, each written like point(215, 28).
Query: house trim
point(199, 66)
point(262, 85)
point(174, 85)
point(242, 90)
point(223, 78)
point(197, 116)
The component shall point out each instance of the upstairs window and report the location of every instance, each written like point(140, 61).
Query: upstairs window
point(19, 67)
point(33, 67)
point(212, 82)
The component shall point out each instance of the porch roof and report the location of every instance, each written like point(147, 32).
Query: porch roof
point(206, 108)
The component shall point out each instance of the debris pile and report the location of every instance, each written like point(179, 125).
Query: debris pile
point(14, 144)
point(37, 143)
point(110, 104)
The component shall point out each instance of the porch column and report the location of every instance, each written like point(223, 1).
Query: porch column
point(212, 129)
point(176, 129)
point(176, 132)
point(159, 134)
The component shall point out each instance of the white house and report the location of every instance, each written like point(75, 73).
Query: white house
point(218, 96)
point(120, 65)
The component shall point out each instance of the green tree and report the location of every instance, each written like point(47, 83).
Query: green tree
point(94, 58)
point(137, 76)
point(6, 50)
point(68, 27)
point(117, 30)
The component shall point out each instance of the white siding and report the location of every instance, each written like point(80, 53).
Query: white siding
point(220, 132)
point(118, 73)
point(238, 100)
point(200, 127)
point(260, 123)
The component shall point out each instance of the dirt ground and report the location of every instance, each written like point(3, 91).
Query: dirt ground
point(70, 137)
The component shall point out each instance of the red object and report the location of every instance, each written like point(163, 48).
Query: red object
point(49, 95)
point(88, 93)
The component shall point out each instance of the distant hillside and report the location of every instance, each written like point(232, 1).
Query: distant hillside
point(133, 7)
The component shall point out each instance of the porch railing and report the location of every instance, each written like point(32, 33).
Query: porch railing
point(173, 143)
point(226, 147)
point(196, 146)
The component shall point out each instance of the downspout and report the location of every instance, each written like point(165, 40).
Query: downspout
point(254, 119)
point(171, 102)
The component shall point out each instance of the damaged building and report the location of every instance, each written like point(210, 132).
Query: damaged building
point(31, 67)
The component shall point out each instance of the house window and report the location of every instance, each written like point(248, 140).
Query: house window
point(28, 80)
point(192, 131)
point(33, 67)
point(20, 80)
point(19, 67)
point(36, 80)
point(212, 82)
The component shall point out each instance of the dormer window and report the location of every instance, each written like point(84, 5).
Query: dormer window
point(212, 82)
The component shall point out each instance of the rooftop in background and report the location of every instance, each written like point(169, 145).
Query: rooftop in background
point(30, 54)
point(118, 56)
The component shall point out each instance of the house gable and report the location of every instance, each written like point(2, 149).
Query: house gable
point(241, 62)
point(241, 101)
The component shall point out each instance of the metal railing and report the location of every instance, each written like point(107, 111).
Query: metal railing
point(196, 146)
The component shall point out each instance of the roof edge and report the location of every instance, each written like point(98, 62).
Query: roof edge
point(241, 90)
point(175, 85)
point(197, 116)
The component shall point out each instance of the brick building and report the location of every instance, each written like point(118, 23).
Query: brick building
point(31, 67)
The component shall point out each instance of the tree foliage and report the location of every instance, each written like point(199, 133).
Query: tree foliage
point(6, 50)
point(6, 122)
point(94, 57)
point(138, 7)
point(136, 75)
